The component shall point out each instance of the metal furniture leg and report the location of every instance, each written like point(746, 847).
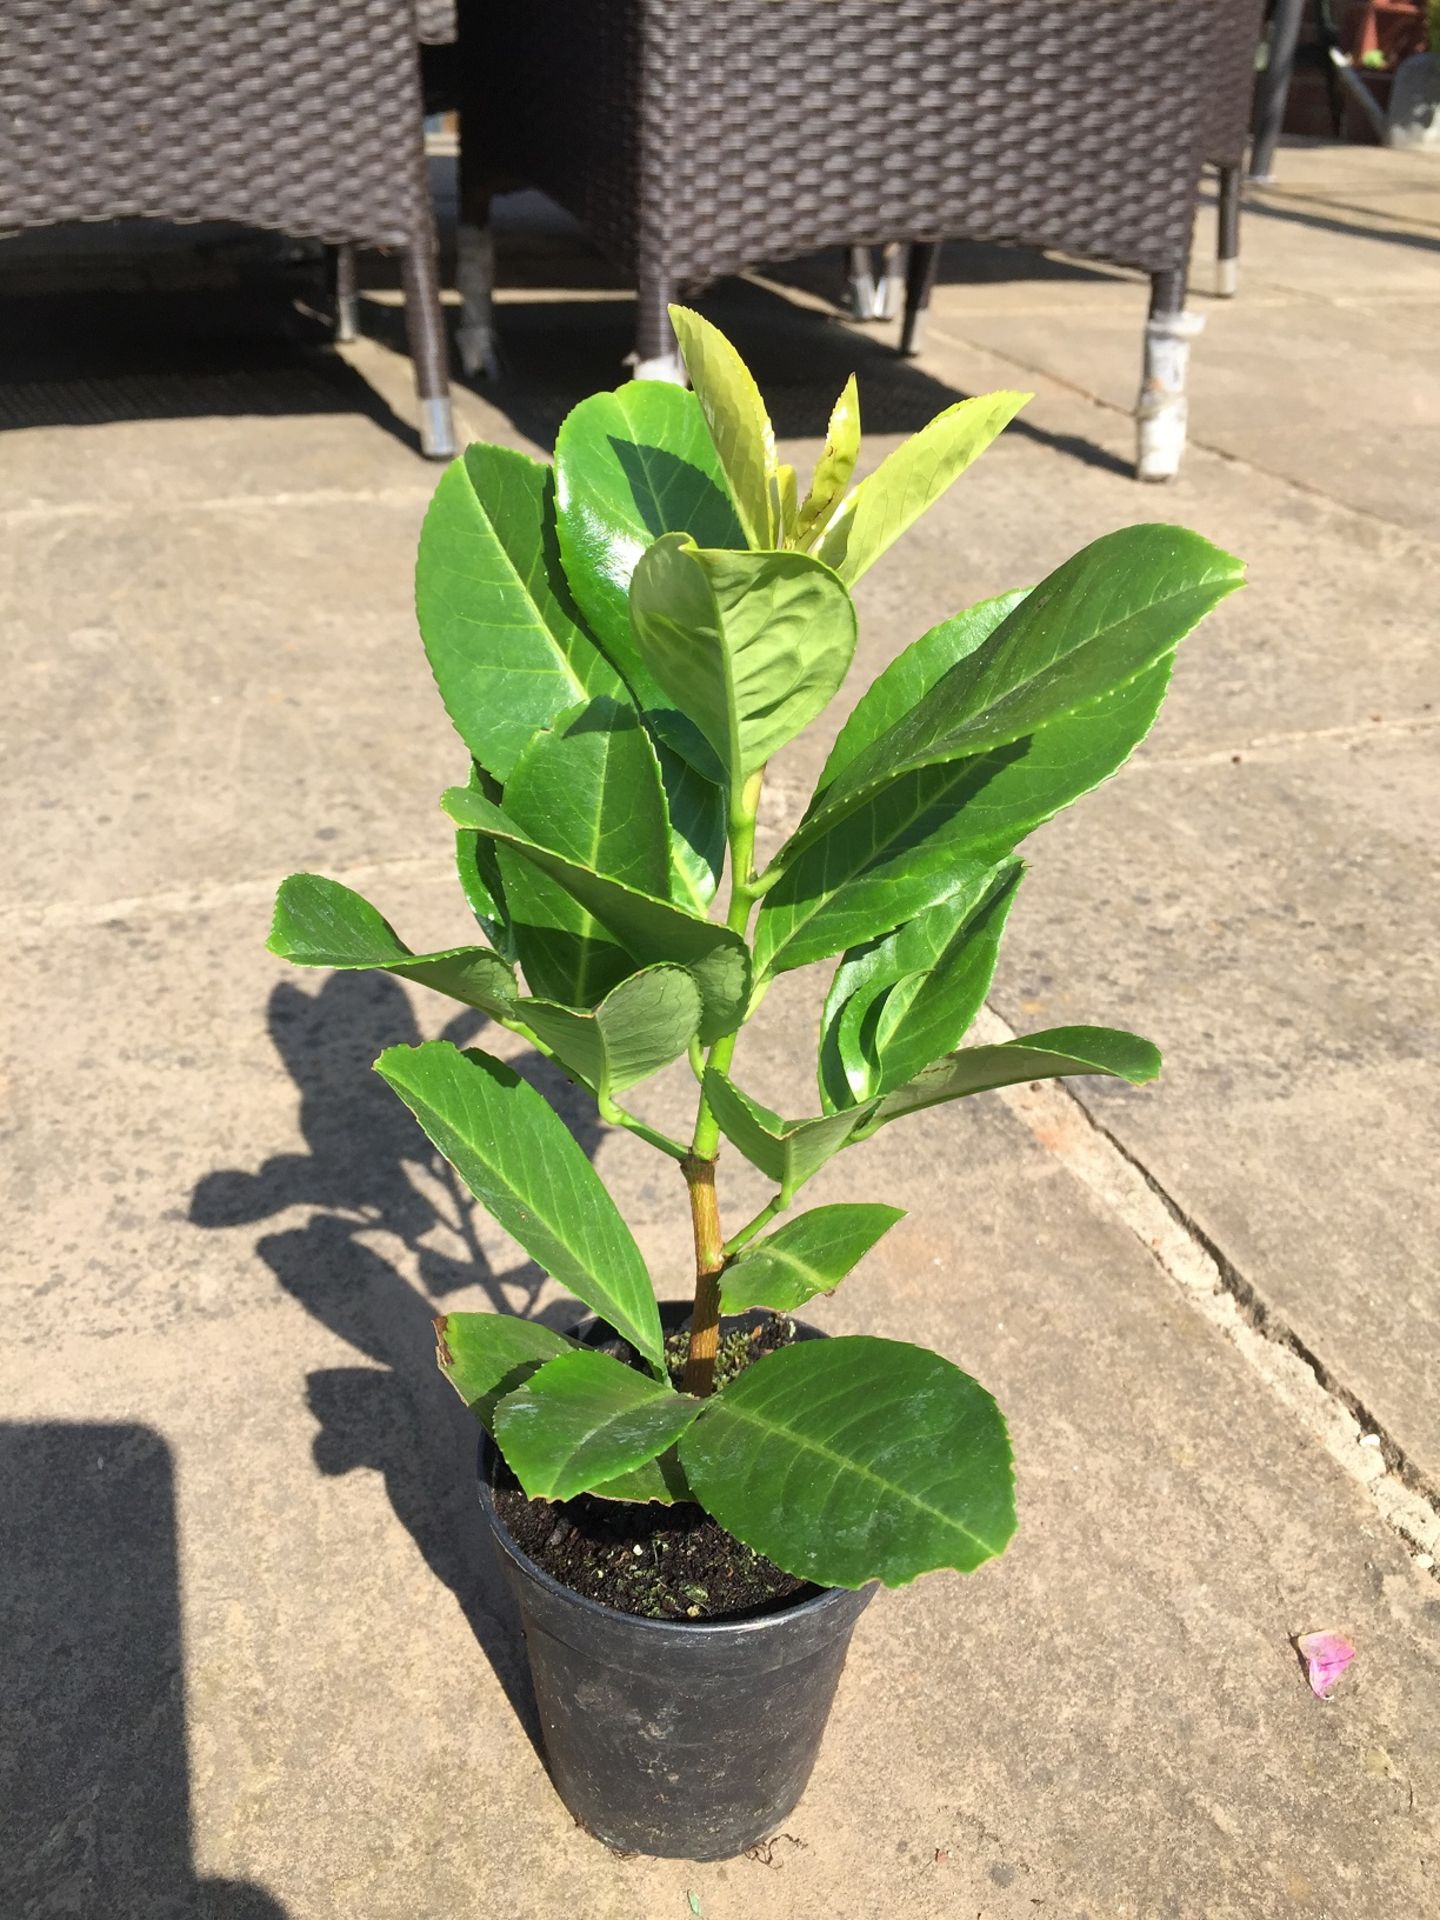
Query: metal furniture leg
point(1227, 265)
point(425, 326)
point(346, 295)
point(1161, 414)
point(657, 353)
point(919, 285)
point(1274, 88)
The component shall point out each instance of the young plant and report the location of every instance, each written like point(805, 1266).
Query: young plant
point(622, 642)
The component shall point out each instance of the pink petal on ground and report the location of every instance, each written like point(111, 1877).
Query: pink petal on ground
point(1326, 1656)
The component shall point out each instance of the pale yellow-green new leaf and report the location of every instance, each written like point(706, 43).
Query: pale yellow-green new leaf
point(834, 467)
point(738, 422)
point(912, 479)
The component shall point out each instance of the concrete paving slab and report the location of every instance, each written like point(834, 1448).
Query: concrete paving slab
point(1110, 1721)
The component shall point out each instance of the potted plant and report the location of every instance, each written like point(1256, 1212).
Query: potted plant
point(695, 1501)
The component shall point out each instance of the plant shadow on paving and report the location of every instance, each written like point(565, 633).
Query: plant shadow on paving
point(95, 1813)
point(368, 1176)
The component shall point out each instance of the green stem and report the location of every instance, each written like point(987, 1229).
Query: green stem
point(618, 1117)
point(762, 1219)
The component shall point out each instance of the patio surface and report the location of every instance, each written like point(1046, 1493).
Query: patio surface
point(259, 1659)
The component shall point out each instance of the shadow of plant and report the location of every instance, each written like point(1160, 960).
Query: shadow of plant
point(370, 1177)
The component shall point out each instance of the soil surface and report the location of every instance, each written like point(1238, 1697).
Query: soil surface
point(671, 1563)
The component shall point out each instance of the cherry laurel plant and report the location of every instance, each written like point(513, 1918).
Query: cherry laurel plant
point(623, 640)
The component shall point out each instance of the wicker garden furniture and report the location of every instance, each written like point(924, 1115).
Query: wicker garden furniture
point(301, 116)
point(695, 137)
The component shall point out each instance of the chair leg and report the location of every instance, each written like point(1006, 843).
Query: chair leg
point(346, 294)
point(1274, 87)
point(657, 352)
point(1227, 266)
point(860, 283)
point(1161, 413)
point(475, 283)
point(894, 256)
point(919, 285)
point(425, 326)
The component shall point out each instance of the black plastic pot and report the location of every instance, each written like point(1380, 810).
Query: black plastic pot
point(688, 1740)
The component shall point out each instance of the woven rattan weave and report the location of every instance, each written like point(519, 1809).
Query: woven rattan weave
point(298, 115)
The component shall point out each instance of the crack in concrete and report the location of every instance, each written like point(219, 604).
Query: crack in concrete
point(1212, 1286)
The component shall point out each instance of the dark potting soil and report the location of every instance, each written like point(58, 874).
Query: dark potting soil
point(670, 1563)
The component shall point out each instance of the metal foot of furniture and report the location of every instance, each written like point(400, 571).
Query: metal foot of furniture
point(475, 282)
point(893, 260)
point(347, 299)
point(660, 366)
point(860, 284)
point(425, 327)
point(1161, 416)
point(919, 285)
point(1227, 265)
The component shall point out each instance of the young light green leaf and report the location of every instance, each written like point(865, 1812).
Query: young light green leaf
point(893, 1462)
point(585, 1418)
point(804, 1257)
point(833, 469)
point(638, 1028)
point(648, 930)
point(738, 422)
point(1059, 1053)
point(911, 675)
point(1107, 615)
point(518, 1158)
point(896, 1005)
point(909, 481)
point(484, 1356)
point(503, 637)
point(319, 923)
point(629, 466)
point(751, 645)
point(588, 788)
point(789, 1151)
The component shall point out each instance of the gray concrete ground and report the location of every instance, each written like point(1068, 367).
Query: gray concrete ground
point(259, 1657)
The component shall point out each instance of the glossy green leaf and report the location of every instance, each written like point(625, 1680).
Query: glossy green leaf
point(518, 1158)
point(484, 1356)
point(638, 1028)
point(648, 930)
point(1059, 1053)
point(804, 1257)
point(833, 469)
point(1104, 617)
point(851, 1460)
point(319, 923)
point(789, 1151)
point(736, 416)
point(630, 466)
point(911, 675)
point(661, 1480)
point(478, 868)
point(911, 479)
point(588, 788)
point(696, 807)
point(958, 812)
point(584, 1419)
point(503, 636)
point(896, 1005)
point(751, 645)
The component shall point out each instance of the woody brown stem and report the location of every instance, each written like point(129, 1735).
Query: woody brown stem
point(709, 1264)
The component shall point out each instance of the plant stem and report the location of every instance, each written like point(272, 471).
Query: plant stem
point(700, 1165)
point(748, 1232)
point(618, 1117)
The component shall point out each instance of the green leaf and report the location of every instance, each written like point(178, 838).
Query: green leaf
point(484, 1356)
point(648, 930)
point(518, 1158)
point(833, 469)
point(892, 1461)
point(752, 645)
point(911, 479)
point(898, 1004)
point(697, 831)
point(789, 1151)
point(502, 634)
point(630, 466)
point(1057, 1054)
point(911, 675)
point(1105, 616)
point(804, 1257)
point(319, 923)
point(584, 1419)
point(639, 1027)
point(736, 416)
point(588, 788)
point(478, 867)
point(958, 812)
point(661, 1479)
